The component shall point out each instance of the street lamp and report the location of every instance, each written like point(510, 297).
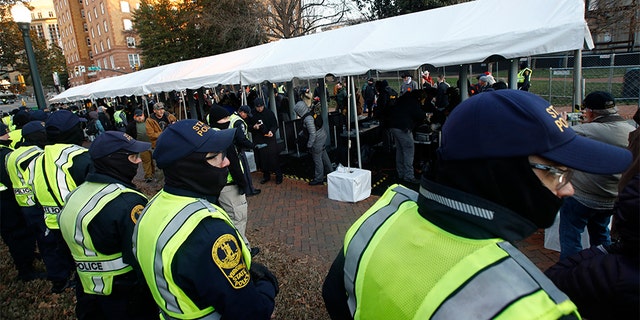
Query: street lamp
point(22, 16)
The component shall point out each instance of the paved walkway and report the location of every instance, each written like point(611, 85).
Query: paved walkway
point(310, 225)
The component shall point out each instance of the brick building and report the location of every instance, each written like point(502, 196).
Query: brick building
point(97, 34)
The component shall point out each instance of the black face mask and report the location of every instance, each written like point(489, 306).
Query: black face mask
point(195, 174)
point(117, 165)
point(5, 143)
point(509, 182)
point(221, 126)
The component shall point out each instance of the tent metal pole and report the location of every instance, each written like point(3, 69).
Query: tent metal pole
point(355, 113)
point(464, 84)
point(577, 79)
point(513, 73)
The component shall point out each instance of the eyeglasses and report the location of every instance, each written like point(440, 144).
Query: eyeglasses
point(213, 156)
point(563, 177)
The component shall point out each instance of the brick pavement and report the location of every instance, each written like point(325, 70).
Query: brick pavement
point(310, 225)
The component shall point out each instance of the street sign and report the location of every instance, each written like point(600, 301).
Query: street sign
point(94, 68)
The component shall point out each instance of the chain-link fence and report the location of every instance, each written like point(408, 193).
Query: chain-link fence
point(615, 73)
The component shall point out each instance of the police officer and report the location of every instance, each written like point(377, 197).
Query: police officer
point(524, 76)
point(237, 121)
point(13, 227)
point(97, 223)
point(20, 166)
point(212, 274)
point(504, 164)
point(61, 167)
point(232, 197)
point(120, 118)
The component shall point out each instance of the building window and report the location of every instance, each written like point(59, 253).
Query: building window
point(98, 64)
point(105, 27)
point(89, 42)
point(99, 32)
point(131, 42)
point(113, 62)
point(89, 16)
point(93, 35)
point(95, 47)
point(134, 60)
point(33, 16)
point(39, 15)
point(127, 24)
point(102, 7)
point(39, 31)
point(124, 6)
point(108, 44)
point(86, 27)
point(104, 60)
point(82, 13)
point(90, 54)
point(54, 34)
point(50, 14)
point(95, 12)
point(101, 46)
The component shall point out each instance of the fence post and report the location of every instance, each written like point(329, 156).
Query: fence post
point(550, 82)
point(611, 66)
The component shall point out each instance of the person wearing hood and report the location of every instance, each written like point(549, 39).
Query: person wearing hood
point(63, 156)
point(14, 229)
point(264, 126)
point(232, 197)
point(317, 138)
point(97, 224)
point(503, 167)
point(211, 272)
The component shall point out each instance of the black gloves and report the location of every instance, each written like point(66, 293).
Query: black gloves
point(260, 272)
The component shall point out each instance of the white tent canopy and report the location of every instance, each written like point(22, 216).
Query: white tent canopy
point(459, 34)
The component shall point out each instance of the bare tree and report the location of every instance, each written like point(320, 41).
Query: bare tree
point(613, 21)
point(292, 18)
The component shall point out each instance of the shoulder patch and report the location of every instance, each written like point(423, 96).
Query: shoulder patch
point(136, 212)
point(227, 256)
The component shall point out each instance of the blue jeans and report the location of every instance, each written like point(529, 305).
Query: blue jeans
point(574, 217)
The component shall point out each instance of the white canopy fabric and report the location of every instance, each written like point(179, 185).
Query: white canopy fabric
point(459, 34)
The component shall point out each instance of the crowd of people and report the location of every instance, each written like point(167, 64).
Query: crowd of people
point(508, 162)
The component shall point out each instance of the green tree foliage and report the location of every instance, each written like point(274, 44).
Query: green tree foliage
point(380, 9)
point(177, 31)
point(13, 56)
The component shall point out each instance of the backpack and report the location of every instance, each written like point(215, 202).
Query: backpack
point(92, 128)
point(393, 96)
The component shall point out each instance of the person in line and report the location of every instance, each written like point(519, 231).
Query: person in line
point(97, 224)
point(402, 119)
point(14, 230)
point(158, 121)
point(138, 129)
point(591, 205)
point(369, 96)
point(408, 84)
point(504, 166)
point(63, 156)
point(604, 280)
point(263, 128)
point(212, 273)
point(317, 139)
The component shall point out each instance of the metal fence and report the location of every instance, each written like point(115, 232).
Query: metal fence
point(615, 73)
